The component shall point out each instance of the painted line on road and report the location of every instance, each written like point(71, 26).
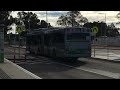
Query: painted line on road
point(31, 74)
point(101, 72)
point(33, 62)
point(95, 71)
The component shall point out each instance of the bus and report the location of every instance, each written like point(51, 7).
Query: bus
point(60, 42)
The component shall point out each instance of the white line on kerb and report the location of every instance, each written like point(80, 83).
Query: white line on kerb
point(31, 74)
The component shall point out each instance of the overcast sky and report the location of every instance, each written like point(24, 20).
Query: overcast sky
point(91, 15)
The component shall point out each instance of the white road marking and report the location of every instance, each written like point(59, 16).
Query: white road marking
point(33, 62)
point(95, 71)
point(101, 72)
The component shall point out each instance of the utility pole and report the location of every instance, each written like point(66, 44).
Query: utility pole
point(106, 37)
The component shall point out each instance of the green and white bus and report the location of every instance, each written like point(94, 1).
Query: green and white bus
point(60, 42)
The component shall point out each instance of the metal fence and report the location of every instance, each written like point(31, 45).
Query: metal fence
point(106, 48)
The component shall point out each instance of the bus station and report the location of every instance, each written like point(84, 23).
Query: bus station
point(73, 50)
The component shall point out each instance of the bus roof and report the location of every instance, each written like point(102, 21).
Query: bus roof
point(56, 29)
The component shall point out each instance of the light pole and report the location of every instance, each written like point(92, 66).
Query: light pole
point(105, 21)
point(46, 19)
point(106, 35)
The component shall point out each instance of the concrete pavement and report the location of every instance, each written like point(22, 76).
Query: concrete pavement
point(109, 56)
point(9, 70)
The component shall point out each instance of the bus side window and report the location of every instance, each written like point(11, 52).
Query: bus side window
point(59, 38)
point(39, 39)
point(46, 40)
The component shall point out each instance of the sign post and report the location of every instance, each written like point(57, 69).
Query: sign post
point(94, 31)
point(19, 29)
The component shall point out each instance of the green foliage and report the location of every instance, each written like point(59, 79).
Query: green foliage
point(5, 19)
point(30, 21)
point(104, 29)
point(73, 18)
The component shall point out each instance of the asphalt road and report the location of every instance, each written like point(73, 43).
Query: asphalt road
point(48, 68)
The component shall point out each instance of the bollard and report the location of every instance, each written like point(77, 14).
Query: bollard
point(25, 57)
point(14, 55)
point(14, 58)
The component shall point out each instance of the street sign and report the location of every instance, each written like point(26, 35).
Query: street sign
point(19, 29)
point(95, 29)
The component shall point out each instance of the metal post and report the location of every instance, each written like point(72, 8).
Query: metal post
point(19, 45)
point(94, 44)
point(46, 19)
point(14, 43)
point(107, 40)
point(25, 49)
point(106, 35)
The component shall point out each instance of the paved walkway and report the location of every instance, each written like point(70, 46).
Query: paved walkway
point(104, 47)
point(105, 56)
point(9, 70)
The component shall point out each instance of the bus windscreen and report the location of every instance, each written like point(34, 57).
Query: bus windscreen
point(77, 36)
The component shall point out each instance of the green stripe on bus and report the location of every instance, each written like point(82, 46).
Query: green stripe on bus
point(78, 51)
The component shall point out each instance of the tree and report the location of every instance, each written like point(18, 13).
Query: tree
point(73, 18)
point(43, 24)
point(63, 20)
point(6, 19)
point(82, 20)
point(111, 25)
point(112, 30)
point(30, 21)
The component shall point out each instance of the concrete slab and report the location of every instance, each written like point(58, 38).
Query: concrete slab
point(16, 72)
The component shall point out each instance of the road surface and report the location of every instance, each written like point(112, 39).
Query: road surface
point(83, 68)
